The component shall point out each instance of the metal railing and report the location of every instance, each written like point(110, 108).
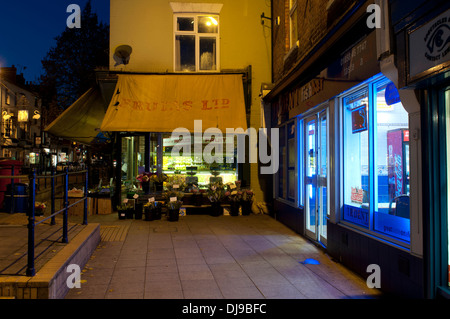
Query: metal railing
point(33, 179)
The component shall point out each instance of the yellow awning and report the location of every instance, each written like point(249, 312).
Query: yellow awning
point(162, 103)
point(81, 121)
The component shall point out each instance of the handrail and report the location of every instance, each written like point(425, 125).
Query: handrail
point(31, 210)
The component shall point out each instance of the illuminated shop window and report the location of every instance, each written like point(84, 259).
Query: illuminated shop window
point(176, 161)
point(376, 161)
point(356, 158)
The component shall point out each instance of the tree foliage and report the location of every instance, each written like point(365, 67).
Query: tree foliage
point(69, 66)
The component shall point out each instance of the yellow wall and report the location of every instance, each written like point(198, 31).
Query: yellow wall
point(147, 26)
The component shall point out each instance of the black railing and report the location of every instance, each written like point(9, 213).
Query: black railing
point(33, 179)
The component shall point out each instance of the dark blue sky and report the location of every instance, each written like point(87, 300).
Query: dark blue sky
point(28, 29)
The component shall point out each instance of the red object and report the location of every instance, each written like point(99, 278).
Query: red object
point(6, 168)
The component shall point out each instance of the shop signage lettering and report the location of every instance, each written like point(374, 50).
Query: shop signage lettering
point(356, 215)
point(305, 92)
point(430, 44)
point(349, 60)
point(204, 105)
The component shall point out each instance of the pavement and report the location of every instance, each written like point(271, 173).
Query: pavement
point(205, 257)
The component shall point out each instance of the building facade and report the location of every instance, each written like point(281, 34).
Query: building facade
point(361, 110)
point(186, 52)
point(21, 119)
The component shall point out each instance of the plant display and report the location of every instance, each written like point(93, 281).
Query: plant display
point(168, 194)
point(144, 177)
point(159, 178)
point(216, 192)
point(176, 182)
point(247, 195)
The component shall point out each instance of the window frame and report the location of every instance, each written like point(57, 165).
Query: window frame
point(293, 5)
point(371, 86)
point(197, 36)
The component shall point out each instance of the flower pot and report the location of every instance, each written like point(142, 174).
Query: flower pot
point(39, 211)
point(122, 214)
point(153, 213)
point(234, 208)
point(216, 209)
point(158, 186)
point(246, 208)
point(146, 187)
point(138, 211)
point(129, 213)
point(173, 215)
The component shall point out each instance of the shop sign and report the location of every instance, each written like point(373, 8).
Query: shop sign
point(355, 64)
point(391, 94)
point(429, 45)
point(357, 195)
point(305, 92)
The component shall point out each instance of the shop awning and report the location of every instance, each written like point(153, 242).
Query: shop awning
point(81, 121)
point(162, 103)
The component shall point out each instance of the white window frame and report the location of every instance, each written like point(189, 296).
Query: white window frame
point(197, 35)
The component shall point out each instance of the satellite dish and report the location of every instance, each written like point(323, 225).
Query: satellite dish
point(122, 54)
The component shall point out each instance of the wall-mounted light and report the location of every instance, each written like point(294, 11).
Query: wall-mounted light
point(36, 115)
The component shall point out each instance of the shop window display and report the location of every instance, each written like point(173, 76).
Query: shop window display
point(376, 160)
point(180, 163)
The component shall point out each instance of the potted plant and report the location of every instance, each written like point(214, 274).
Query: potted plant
point(197, 196)
point(247, 201)
point(152, 211)
point(39, 208)
point(138, 208)
point(234, 198)
point(122, 210)
point(158, 181)
point(216, 194)
point(144, 179)
point(173, 210)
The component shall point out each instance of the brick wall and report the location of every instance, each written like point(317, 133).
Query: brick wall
point(315, 19)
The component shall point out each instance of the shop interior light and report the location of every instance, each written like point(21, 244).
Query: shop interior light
point(212, 21)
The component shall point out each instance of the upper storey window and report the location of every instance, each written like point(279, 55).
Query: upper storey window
point(196, 42)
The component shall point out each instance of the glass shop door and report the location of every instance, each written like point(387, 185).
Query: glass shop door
point(316, 176)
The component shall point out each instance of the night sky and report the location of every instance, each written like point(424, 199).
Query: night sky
point(28, 29)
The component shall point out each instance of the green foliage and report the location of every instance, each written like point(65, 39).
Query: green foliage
point(69, 66)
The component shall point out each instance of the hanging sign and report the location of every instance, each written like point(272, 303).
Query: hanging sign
point(391, 94)
point(429, 45)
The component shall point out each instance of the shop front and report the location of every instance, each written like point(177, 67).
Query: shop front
point(346, 178)
point(184, 127)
